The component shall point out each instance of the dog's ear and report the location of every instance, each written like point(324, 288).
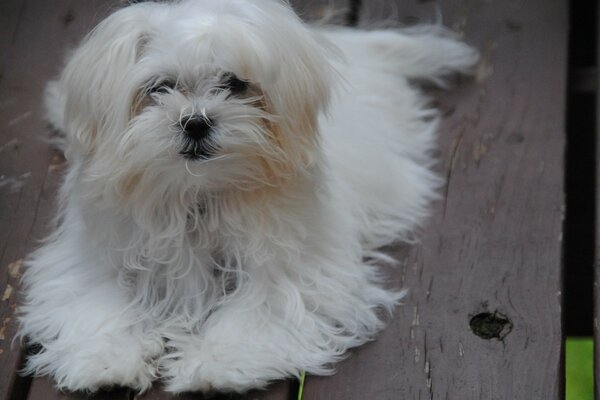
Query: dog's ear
point(96, 75)
point(292, 65)
point(301, 92)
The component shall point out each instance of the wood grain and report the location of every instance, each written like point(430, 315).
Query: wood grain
point(276, 391)
point(322, 11)
point(494, 243)
point(404, 13)
point(42, 389)
point(33, 37)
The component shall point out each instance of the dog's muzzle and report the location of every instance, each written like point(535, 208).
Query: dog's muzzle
point(197, 132)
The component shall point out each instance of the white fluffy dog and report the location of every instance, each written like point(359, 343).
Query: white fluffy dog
point(231, 173)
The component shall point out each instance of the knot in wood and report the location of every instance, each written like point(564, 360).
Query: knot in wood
point(488, 325)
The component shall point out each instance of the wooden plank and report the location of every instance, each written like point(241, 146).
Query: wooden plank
point(322, 11)
point(405, 13)
point(32, 34)
point(494, 243)
point(10, 18)
point(42, 389)
point(277, 391)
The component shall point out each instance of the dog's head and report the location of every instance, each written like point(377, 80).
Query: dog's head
point(200, 94)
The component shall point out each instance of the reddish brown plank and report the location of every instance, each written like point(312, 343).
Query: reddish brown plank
point(494, 243)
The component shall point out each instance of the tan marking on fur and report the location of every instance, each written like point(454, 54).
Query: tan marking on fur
point(140, 46)
point(93, 134)
point(275, 135)
point(129, 184)
point(280, 175)
point(304, 125)
point(263, 197)
point(140, 101)
point(296, 147)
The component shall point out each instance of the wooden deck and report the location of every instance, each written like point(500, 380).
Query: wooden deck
point(483, 319)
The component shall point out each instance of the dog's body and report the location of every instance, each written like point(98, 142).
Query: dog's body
point(215, 228)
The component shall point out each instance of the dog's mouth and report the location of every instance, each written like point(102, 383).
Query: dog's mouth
point(198, 149)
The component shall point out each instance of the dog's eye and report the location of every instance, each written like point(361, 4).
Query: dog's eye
point(234, 84)
point(163, 86)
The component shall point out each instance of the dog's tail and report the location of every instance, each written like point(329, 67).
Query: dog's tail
point(429, 53)
point(54, 104)
point(432, 54)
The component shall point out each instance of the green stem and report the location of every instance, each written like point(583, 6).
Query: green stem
point(301, 388)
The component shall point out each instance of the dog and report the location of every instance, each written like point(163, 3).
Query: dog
point(232, 173)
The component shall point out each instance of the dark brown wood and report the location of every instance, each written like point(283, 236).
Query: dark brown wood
point(42, 389)
point(402, 13)
point(32, 37)
point(277, 391)
point(493, 247)
point(9, 357)
point(322, 11)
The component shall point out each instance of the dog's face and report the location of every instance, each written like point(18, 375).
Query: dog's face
point(203, 94)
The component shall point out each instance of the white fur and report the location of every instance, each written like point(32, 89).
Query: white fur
point(251, 265)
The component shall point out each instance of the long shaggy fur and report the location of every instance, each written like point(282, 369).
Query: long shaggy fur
point(251, 264)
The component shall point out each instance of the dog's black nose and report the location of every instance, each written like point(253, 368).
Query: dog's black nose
point(196, 127)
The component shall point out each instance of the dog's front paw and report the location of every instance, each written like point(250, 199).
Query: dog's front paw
point(98, 363)
point(211, 369)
